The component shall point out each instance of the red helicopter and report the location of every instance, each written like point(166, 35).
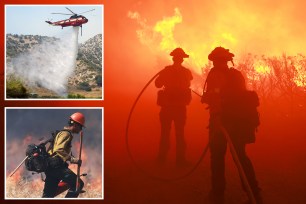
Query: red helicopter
point(74, 20)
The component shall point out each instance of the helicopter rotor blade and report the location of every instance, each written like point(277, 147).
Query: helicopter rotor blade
point(70, 10)
point(62, 13)
point(87, 11)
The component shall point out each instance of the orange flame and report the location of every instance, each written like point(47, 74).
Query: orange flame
point(165, 34)
point(31, 186)
point(300, 68)
point(160, 37)
point(165, 28)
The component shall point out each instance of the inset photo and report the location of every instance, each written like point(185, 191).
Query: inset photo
point(54, 153)
point(54, 52)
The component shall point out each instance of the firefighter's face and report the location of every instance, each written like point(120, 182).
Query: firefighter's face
point(76, 128)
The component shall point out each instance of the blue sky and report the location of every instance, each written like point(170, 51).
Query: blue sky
point(30, 20)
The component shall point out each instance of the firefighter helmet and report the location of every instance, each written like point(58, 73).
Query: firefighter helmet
point(179, 52)
point(79, 118)
point(221, 54)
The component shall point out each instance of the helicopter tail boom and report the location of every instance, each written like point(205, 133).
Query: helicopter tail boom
point(49, 22)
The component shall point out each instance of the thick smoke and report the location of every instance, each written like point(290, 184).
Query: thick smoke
point(49, 64)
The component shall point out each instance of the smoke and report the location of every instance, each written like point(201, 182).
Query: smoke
point(49, 64)
point(22, 130)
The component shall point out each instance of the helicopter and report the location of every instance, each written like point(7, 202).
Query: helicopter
point(74, 20)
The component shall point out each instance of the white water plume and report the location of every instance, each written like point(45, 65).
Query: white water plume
point(49, 64)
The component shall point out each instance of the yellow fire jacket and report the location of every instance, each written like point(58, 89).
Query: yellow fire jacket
point(62, 146)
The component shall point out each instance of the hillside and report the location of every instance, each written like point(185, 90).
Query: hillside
point(88, 70)
point(89, 62)
point(16, 44)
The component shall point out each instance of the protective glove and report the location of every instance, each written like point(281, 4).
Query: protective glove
point(74, 160)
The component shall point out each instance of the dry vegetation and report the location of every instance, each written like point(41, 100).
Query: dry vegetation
point(95, 93)
point(29, 188)
point(279, 81)
point(40, 92)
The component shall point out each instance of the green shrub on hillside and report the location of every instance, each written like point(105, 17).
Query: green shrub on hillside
point(75, 96)
point(98, 79)
point(84, 86)
point(15, 89)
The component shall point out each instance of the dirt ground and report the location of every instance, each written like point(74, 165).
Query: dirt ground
point(95, 93)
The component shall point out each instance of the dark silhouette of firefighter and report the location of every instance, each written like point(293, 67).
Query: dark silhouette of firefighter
point(232, 107)
point(173, 98)
point(60, 154)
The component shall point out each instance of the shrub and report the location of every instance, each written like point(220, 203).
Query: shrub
point(15, 89)
point(98, 79)
point(75, 96)
point(84, 86)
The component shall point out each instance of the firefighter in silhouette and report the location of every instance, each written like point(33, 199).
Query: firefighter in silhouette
point(60, 154)
point(232, 107)
point(173, 98)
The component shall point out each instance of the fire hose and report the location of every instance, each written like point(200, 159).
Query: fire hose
point(131, 155)
point(239, 166)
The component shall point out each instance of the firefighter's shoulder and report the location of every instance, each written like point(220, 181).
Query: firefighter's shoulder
point(64, 134)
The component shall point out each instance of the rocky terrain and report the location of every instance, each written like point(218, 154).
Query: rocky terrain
point(88, 72)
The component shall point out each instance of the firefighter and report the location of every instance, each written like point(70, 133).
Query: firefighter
point(60, 154)
point(173, 98)
point(223, 85)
